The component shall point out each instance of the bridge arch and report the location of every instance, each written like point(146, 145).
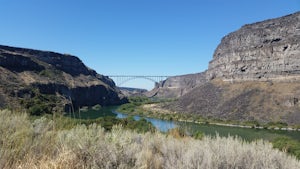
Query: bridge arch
point(122, 79)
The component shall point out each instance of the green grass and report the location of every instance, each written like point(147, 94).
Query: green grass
point(286, 144)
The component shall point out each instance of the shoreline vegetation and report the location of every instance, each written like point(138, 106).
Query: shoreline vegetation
point(60, 142)
point(140, 106)
point(146, 107)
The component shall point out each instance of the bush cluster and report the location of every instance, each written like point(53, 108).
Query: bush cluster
point(39, 144)
point(40, 104)
point(50, 73)
point(288, 145)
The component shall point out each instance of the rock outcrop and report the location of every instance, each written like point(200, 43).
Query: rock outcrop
point(132, 92)
point(176, 86)
point(254, 75)
point(45, 81)
point(267, 50)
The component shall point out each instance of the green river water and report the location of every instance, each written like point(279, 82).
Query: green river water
point(208, 129)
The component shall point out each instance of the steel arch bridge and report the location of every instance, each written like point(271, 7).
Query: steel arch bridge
point(121, 79)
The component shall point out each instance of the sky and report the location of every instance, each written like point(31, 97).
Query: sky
point(133, 37)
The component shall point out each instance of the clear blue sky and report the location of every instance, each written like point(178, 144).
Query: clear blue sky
point(136, 37)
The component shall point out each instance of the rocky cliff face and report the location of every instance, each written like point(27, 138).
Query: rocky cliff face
point(267, 50)
point(32, 79)
point(132, 92)
point(254, 75)
point(177, 86)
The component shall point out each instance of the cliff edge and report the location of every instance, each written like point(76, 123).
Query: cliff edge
point(44, 82)
point(254, 75)
point(267, 50)
point(176, 86)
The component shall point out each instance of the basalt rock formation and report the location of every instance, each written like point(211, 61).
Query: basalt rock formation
point(267, 50)
point(176, 86)
point(254, 75)
point(132, 92)
point(43, 81)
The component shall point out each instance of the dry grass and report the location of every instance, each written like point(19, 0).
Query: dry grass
point(37, 145)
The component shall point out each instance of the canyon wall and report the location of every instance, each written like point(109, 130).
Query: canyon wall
point(33, 78)
point(254, 76)
point(267, 50)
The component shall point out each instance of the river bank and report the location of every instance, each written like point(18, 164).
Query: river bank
point(282, 139)
point(40, 144)
point(154, 110)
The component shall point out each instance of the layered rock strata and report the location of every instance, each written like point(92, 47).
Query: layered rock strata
point(177, 86)
point(254, 76)
point(267, 50)
point(31, 77)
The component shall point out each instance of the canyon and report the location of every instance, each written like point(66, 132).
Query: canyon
point(254, 76)
point(44, 81)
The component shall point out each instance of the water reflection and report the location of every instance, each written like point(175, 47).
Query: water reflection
point(161, 125)
point(164, 125)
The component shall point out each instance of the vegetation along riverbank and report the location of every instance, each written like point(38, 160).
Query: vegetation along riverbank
point(280, 139)
point(40, 143)
point(154, 108)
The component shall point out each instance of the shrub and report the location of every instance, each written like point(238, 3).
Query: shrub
point(37, 144)
point(273, 125)
point(50, 73)
point(176, 133)
point(38, 109)
point(40, 103)
point(198, 135)
point(288, 145)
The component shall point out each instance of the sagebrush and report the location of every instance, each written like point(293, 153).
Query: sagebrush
point(38, 144)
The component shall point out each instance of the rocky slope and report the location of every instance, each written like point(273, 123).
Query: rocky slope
point(267, 50)
point(254, 75)
point(177, 86)
point(128, 92)
point(44, 81)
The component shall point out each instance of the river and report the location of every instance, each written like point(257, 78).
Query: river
point(161, 125)
point(189, 127)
